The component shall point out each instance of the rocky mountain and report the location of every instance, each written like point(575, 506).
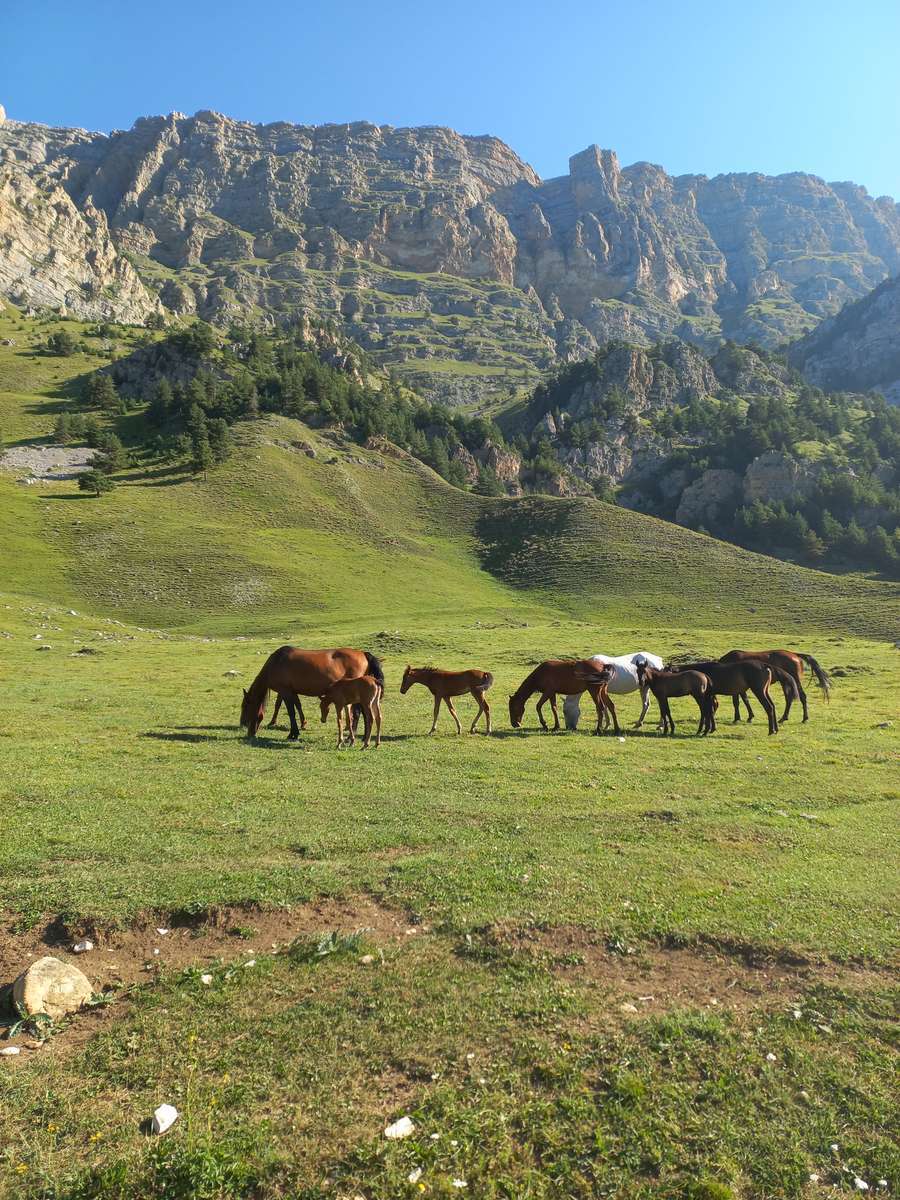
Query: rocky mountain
point(443, 255)
point(859, 348)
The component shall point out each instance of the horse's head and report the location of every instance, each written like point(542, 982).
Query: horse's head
point(516, 712)
point(252, 712)
point(324, 705)
point(641, 673)
point(408, 680)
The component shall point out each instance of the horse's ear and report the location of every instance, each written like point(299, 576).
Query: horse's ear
point(244, 690)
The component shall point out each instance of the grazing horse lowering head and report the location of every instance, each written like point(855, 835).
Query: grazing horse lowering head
point(252, 713)
point(516, 711)
point(324, 706)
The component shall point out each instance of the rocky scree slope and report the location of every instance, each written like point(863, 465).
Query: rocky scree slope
point(443, 254)
point(859, 348)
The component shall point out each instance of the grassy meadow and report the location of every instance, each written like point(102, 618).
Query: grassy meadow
point(603, 967)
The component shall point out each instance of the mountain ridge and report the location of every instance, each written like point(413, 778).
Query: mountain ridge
point(444, 255)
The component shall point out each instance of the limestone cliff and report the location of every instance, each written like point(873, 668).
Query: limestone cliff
point(444, 255)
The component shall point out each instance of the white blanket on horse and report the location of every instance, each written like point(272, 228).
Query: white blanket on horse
point(624, 680)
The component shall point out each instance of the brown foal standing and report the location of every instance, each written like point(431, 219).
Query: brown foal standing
point(365, 691)
point(443, 685)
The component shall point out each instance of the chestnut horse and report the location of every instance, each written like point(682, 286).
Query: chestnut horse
point(735, 678)
point(667, 684)
point(291, 672)
point(567, 677)
point(789, 661)
point(364, 691)
point(443, 685)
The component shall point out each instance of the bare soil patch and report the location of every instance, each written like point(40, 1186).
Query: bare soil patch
point(655, 979)
point(47, 463)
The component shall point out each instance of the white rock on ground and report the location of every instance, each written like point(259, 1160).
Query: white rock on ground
point(400, 1129)
point(52, 987)
point(164, 1118)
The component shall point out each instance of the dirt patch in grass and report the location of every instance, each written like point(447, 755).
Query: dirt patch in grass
point(123, 956)
point(653, 979)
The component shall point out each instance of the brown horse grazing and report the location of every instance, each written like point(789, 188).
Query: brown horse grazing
point(445, 684)
point(735, 678)
point(666, 684)
point(568, 677)
point(791, 662)
point(291, 672)
point(365, 691)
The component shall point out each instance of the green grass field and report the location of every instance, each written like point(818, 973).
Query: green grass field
point(588, 955)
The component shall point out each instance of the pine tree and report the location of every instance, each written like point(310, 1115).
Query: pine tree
point(62, 428)
point(94, 481)
point(219, 440)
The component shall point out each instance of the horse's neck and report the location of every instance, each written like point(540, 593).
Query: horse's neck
point(259, 688)
point(527, 687)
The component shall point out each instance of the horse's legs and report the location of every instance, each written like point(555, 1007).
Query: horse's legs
point(367, 722)
point(609, 707)
point(555, 711)
point(702, 704)
point(487, 712)
point(482, 708)
point(449, 704)
point(737, 709)
point(351, 716)
point(278, 703)
point(761, 692)
point(747, 706)
point(290, 706)
point(377, 708)
point(802, 695)
point(666, 715)
point(540, 704)
point(645, 705)
point(339, 713)
point(437, 709)
point(300, 711)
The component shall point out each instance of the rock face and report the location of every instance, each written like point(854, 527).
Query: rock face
point(52, 987)
point(55, 253)
point(431, 248)
point(775, 477)
point(709, 499)
point(859, 349)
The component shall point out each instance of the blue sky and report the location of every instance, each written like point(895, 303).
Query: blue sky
point(697, 86)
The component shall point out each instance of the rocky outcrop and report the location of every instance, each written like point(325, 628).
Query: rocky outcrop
point(428, 246)
point(54, 254)
point(859, 349)
point(774, 477)
point(709, 500)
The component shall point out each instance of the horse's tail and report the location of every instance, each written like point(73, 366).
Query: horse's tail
point(485, 683)
point(375, 669)
point(787, 681)
point(822, 677)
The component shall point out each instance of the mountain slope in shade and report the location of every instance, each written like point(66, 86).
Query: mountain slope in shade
point(859, 348)
point(441, 253)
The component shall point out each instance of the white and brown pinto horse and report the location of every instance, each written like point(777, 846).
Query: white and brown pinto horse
point(624, 680)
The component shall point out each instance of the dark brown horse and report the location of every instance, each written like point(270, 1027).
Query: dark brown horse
point(791, 663)
point(567, 677)
point(667, 684)
point(443, 685)
point(735, 678)
point(291, 672)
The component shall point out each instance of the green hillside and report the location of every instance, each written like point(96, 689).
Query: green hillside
point(566, 932)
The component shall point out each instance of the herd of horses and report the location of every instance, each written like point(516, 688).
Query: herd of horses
point(352, 682)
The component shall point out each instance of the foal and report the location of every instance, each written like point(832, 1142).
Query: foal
point(365, 691)
point(665, 684)
point(445, 684)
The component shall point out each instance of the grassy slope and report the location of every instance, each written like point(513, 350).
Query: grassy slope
point(126, 787)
